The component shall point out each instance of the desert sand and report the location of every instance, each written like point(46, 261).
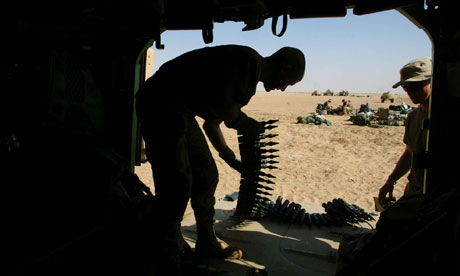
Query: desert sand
point(318, 163)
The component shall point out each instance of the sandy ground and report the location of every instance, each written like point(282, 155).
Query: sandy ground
point(318, 163)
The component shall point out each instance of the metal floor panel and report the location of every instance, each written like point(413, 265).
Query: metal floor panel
point(278, 247)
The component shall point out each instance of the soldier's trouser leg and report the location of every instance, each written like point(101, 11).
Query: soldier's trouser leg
point(166, 149)
point(204, 177)
point(204, 182)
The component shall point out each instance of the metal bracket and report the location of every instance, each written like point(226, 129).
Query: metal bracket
point(158, 44)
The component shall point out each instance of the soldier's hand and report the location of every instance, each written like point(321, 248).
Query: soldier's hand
point(253, 132)
point(230, 158)
point(247, 126)
point(387, 188)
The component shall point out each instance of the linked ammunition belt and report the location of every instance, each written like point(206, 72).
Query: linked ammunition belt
point(257, 157)
point(338, 213)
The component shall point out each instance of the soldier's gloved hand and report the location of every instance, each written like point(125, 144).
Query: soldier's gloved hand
point(247, 126)
point(230, 158)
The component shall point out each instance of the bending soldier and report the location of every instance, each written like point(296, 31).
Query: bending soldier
point(213, 83)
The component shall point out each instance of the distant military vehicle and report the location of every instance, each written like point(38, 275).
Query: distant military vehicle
point(344, 93)
point(317, 93)
point(387, 96)
point(328, 93)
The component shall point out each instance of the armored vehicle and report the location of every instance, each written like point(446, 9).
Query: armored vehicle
point(328, 93)
point(317, 93)
point(390, 96)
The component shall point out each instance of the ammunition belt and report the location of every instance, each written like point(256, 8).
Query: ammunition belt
point(253, 203)
point(256, 157)
point(338, 213)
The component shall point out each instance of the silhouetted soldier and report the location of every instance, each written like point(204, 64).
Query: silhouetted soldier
point(213, 83)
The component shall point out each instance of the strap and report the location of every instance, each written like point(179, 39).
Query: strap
point(422, 160)
point(275, 22)
point(208, 35)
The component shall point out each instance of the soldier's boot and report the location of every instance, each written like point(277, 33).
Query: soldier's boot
point(210, 246)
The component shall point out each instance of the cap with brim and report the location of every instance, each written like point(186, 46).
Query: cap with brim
point(417, 70)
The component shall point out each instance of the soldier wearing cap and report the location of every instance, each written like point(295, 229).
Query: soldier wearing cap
point(416, 81)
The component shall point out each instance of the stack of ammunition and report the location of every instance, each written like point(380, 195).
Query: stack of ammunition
point(338, 213)
point(257, 157)
point(349, 213)
point(291, 212)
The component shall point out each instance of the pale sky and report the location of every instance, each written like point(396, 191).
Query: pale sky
point(361, 54)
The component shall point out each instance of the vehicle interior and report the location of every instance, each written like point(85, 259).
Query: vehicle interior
point(70, 71)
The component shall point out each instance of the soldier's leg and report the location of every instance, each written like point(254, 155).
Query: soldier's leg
point(204, 176)
point(204, 182)
point(167, 153)
point(166, 149)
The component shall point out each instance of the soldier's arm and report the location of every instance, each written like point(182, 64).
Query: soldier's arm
point(401, 168)
point(403, 165)
point(214, 133)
